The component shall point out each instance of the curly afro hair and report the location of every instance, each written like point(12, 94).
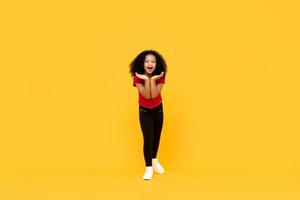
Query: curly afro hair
point(137, 64)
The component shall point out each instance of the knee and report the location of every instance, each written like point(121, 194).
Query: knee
point(148, 139)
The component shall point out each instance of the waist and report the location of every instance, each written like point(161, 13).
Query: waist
point(149, 103)
point(155, 109)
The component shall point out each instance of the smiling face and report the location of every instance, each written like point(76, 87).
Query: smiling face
point(149, 64)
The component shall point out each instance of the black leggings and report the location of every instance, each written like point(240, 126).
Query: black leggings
point(151, 121)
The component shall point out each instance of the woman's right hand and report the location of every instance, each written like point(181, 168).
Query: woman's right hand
point(144, 77)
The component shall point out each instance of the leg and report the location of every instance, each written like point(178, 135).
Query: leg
point(157, 128)
point(146, 123)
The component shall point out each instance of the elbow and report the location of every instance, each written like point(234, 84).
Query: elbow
point(155, 95)
point(146, 96)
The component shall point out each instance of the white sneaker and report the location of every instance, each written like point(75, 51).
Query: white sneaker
point(148, 173)
point(157, 166)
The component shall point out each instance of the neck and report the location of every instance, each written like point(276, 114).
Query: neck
point(149, 75)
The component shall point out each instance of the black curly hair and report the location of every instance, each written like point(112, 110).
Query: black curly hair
point(137, 65)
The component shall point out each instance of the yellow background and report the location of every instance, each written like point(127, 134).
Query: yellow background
point(69, 113)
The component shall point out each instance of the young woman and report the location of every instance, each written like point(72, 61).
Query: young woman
point(148, 70)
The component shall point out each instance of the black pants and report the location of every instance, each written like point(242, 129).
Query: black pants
point(151, 121)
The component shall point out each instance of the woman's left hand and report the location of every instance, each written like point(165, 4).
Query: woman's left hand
point(157, 76)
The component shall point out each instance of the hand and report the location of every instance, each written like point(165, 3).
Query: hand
point(157, 76)
point(144, 77)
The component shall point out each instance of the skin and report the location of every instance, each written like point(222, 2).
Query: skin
point(150, 90)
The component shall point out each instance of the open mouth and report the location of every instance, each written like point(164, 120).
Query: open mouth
point(150, 68)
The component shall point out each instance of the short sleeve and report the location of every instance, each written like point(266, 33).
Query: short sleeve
point(137, 80)
point(161, 80)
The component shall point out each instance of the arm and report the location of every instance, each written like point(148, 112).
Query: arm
point(155, 88)
point(144, 90)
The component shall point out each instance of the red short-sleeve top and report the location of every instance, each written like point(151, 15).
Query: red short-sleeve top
point(149, 103)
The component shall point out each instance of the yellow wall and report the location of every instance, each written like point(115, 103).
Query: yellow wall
point(231, 97)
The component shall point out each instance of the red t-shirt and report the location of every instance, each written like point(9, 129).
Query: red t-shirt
point(148, 103)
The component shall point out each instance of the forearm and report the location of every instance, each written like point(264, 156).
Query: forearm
point(154, 91)
point(146, 91)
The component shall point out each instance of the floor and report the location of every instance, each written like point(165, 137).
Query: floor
point(93, 183)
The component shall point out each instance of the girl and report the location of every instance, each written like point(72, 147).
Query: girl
point(148, 70)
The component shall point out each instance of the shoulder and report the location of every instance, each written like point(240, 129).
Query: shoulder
point(137, 80)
